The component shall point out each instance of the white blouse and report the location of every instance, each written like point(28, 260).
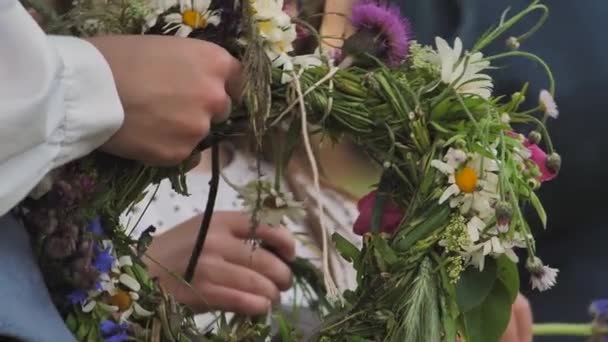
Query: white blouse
point(168, 209)
point(58, 102)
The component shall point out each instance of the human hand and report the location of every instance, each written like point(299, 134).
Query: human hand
point(520, 325)
point(171, 90)
point(336, 26)
point(230, 276)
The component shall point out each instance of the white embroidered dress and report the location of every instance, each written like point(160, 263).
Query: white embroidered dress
point(169, 209)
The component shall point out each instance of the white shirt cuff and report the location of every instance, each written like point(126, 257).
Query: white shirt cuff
point(93, 108)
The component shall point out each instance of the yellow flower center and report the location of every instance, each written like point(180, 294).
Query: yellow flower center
point(121, 299)
point(194, 19)
point(466, 179)
point(265, 26)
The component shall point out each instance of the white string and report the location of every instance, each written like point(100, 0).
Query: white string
point(332, 290)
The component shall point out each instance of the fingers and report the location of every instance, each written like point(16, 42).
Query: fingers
point(523, 315)
point(511, 334)
point(223, 273)
point(232, 300)
point(279, 238)
point(520, 324)
point(261, 261)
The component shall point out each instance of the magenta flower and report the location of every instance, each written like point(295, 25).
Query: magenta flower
point(391, 217)
point(539, 157)
point(385, 23)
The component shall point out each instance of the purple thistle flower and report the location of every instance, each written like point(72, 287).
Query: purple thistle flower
point(113, 332)
point(95, 226)
point(77, 297)
point(599, 309)
point(103, 259)
point(394, 31)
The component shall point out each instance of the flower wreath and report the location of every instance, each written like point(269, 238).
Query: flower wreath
point(440, 231)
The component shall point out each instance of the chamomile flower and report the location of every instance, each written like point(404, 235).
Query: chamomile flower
point(463, 72)
point(274, 205)
point(193, 14)
point(277, 30)
point(473, 185)
point(117, 292)
point(491, 242)
point(547, 104)
point(542, 277)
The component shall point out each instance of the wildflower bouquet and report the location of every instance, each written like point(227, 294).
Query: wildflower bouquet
point(441, 231)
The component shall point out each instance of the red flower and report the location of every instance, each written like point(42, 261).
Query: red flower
point(391, 217)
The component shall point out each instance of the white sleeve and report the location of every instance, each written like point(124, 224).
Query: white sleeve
point(58, 102)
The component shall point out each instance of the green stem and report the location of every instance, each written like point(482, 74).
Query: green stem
point(563, 329)
point(532, 57)
point(493, 35)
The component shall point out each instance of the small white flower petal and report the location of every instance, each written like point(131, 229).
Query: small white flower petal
point(487, 247)
point(184, 31)
point(129, 282)
point(88, 306)
point(125, 315)
point(444, 168)
point(134, 295)
point(497, 245)
point(511, 255)
point(214, 19)
point(125, 260)
point(449, 192)
point(141, 312)
point(108, 308)
point(547, 104)
point(201, 6)
point(474, 227)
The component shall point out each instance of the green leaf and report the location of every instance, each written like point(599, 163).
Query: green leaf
point(441, 109)
point(348, 251)
point(384, 250)
point(488, 321)
point(378, 211)
point(435, 218)
point(540, 210)
point(481, 150)
point(508, 274)
point(71, 323)
point(83, 330)
point(474, 286)
point(292, 140)
point(284, 328)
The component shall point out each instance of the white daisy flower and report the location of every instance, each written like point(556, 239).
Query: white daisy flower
point(473, 186)
point(542, 277)
point(492, 243)
point(275, 205)
point(547, 104)
point(276, 29)
point(463, 72)
point(157, 8)
point(194, 14)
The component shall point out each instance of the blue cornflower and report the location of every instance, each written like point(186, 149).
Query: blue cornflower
point(103, 259)
point(77, 297)
point(113, 332)
point(95, 226)
point(599, 309)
